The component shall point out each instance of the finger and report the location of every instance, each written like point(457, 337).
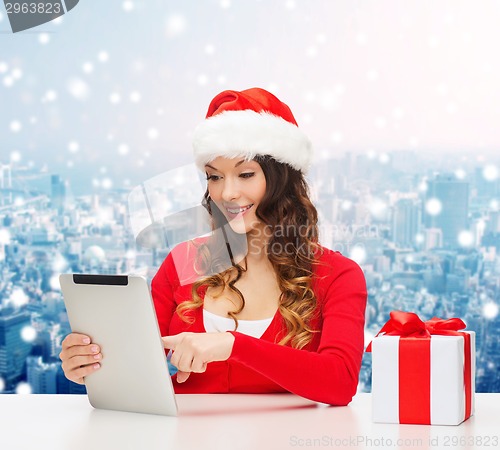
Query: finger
point(78, 375)
point(198, 366)
point(185, 362)
point(80, 361)
point(79, 350)
point(75, 339)
point(170, 341)
point(182, 376)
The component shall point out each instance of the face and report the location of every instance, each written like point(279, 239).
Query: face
point(237, 187)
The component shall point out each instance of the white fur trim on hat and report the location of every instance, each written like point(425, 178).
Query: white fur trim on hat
point(249, 133)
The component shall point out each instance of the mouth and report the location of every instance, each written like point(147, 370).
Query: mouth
point(236, 211)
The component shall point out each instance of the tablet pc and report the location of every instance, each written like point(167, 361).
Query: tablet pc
point(117, 312)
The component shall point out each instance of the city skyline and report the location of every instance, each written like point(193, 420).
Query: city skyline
point(380, 211)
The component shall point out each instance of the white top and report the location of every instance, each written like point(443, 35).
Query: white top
point(255, 328)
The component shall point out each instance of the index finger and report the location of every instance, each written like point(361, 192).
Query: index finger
point(75, 339)
point(170, 341)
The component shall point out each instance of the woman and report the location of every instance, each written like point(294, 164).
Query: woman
point(286, 314)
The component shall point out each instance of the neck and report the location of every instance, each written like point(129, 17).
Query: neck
point(257, 243)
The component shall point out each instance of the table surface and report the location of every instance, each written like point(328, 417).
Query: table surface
point(231, 421)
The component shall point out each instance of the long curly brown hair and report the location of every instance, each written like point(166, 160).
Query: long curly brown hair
point(292, 249)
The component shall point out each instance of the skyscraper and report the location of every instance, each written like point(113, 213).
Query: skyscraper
point(57, 192)
point(453, 197)
point(405, 222)
point(41, 376)
point(13, 348)
point(5, 184)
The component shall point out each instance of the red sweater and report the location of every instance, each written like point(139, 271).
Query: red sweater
point(326, 370)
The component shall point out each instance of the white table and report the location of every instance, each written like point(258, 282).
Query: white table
point(231, 421)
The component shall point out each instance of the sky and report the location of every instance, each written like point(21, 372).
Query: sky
point(115, 88)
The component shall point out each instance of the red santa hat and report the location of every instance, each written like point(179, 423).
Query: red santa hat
point(249, 123)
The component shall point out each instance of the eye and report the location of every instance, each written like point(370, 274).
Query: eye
point(247, 174)
point(212, 177)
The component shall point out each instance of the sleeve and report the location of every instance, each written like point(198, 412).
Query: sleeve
point(162, 291)
point(330, 374)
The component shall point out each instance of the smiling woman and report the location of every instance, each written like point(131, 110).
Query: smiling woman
point(237, 190)
point(288, 314)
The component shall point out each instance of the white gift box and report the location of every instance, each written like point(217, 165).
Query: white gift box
point(447, 384)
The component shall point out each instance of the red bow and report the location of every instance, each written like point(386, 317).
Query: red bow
point(408, 324)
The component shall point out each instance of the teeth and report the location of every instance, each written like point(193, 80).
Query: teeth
point(237, 211)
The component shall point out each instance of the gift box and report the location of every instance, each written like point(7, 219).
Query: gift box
point(423, 372)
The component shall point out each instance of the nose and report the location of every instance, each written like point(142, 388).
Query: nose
point(230, 189)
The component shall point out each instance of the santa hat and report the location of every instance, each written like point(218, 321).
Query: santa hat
point(250, 123)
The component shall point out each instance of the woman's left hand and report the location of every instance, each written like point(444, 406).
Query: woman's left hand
point(193, 351)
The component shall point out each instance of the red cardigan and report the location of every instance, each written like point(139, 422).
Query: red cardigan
point(326, 370)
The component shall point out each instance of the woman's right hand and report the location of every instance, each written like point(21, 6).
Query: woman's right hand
point(80, 357)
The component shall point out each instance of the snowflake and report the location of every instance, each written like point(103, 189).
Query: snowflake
point(15, 156)
point(18, 297)
point(123, 149)
point(384, 158)
point(490, 310)
point(88, 67)
point(466, 239)
point(115, 98)
point(358, 254)
point(107, 183)
point(176, 25)
point(28, 334)
point(8, 81)
point(202, 79)
point(128, 6)
point(44, 38)
point(135, 97)
point(336, 137)
point(50, 96)
point(346, 205)
point(103, 56)
point(24, 389)
point(490, 172)
point(17, 74)
point(78, 88)
point(4, 236)
point(15, 126)
point(153, 133)
point(54, 283)
point(73, 147)
point(433, 206)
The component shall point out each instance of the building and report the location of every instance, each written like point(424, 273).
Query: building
point(453, 196)
point(57, 193)
point(42, 377)
point(13, 348)
point(405, 222)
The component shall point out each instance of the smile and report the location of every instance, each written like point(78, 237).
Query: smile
point(238, 210)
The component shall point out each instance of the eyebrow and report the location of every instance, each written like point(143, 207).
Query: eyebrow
point(236, 165)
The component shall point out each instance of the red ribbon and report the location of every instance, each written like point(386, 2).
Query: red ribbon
point(414, 361)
